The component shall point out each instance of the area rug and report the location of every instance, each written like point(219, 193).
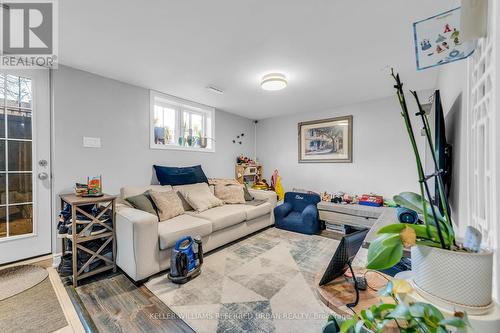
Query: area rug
point(36, 309)
point(264, 283)
point(14, 280)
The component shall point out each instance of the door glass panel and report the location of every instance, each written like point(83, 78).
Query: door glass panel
point(20, 188)
point(17, 92)
point(3, 222)
point(2, 155)
point(18, 123)
point(3, 198)
point(20, 219)
point(16, 183)
point(19, 155)
point(2, 120)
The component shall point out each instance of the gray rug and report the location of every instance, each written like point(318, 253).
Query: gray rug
point(264, 283)
point(14, 280)
point(35, 310)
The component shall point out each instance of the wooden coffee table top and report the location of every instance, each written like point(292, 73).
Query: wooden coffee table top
point(339, 292)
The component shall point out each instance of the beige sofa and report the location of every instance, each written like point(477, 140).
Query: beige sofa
point(144, 244)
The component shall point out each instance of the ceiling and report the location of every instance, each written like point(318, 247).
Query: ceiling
point(334, 52)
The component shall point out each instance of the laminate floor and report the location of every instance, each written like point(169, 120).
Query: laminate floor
point(115, 304)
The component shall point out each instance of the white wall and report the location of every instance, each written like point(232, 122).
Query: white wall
point(383, 160)
point(118, 113)
point(89, 105)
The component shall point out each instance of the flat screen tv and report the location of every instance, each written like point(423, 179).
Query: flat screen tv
point(443, 149)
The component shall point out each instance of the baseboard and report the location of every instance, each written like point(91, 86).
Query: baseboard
point(56, 259)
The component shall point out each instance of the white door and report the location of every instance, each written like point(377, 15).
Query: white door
point(25, 205)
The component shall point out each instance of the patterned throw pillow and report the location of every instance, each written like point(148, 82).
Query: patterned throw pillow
point(143, 202)
point(168, 203)
point(199, 196)
point(226, 181)
point(230, 193)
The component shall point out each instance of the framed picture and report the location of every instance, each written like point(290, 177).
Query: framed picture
point(326, 140)
point(438, 40)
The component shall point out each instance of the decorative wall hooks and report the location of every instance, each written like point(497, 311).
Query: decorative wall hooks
point(239, 138)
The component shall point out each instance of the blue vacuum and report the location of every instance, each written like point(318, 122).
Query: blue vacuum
point(185, 263)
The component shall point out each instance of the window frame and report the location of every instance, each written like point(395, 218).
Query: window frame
point(180, 106)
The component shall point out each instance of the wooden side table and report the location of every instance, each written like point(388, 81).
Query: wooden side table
point(78, 239)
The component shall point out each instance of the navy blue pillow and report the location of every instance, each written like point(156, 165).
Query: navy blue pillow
point(180, 176)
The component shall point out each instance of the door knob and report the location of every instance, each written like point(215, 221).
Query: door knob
point(43, 176)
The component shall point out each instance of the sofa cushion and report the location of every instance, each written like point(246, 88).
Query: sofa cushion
point(172, 230)
point(257, 211)
point(199, 196)
point(230, 193)
point(168, 204)
point(130, 191)
point(223, 216)
point(143, 202)
point(180, 176)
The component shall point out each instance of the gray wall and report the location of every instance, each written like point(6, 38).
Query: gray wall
point(383, 161)
point(89, 105)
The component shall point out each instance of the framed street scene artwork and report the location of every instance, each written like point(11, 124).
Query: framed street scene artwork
point(326, 140)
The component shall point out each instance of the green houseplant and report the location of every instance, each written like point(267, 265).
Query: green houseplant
point(442, 269)
point(406, 317)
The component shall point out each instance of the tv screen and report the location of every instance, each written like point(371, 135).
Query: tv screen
point(442, 149)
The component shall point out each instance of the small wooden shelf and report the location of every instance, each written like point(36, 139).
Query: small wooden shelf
point(78, 240)
point(248, 173)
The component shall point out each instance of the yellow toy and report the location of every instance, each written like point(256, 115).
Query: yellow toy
point(276, 184)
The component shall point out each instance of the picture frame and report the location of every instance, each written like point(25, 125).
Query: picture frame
point(325, 140)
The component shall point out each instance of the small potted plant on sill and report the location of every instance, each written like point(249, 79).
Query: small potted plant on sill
point(443, 270)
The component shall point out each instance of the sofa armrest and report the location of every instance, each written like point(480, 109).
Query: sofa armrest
point(137, 242)
point(269, 196)
point(282, 210)
point(310, 213)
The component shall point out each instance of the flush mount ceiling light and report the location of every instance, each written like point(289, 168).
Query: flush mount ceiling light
point(273, 81)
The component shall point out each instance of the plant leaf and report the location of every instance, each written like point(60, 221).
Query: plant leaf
point(392, 228)
point(385, 252)
point(415, 202)
point(400, 312)
point(455, 322)
point(348, 325)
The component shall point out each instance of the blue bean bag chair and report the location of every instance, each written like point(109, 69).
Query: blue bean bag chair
point(298, 213)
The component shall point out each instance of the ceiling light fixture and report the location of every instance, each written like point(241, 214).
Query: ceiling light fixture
point(215, 90)
point(273, 81)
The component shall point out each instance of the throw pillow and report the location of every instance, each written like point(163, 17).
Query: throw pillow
point(180, 189)
point(168, 203)
point(143, 202)
point(248, 196)
point(199, 196)
point(230, 193)
point(226, 181)
point(180, 176)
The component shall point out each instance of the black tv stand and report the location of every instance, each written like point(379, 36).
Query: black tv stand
point(352, 305)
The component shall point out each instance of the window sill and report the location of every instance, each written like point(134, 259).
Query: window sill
point(175, 147)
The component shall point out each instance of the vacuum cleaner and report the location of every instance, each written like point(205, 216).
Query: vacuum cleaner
point(185, 263)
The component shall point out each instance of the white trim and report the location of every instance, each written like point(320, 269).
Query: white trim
point(180, 105)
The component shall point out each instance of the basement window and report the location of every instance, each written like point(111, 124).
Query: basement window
point(180, 124)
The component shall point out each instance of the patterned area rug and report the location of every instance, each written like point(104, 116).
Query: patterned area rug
point(261, 284)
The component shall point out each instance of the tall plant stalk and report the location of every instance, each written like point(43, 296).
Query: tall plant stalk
point(424, 187)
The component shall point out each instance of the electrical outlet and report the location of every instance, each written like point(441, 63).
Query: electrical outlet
point(89, 142)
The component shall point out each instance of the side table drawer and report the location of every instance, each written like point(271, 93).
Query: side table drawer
point(339, 218)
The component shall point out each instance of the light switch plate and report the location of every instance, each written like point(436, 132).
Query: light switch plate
point(89, 142)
